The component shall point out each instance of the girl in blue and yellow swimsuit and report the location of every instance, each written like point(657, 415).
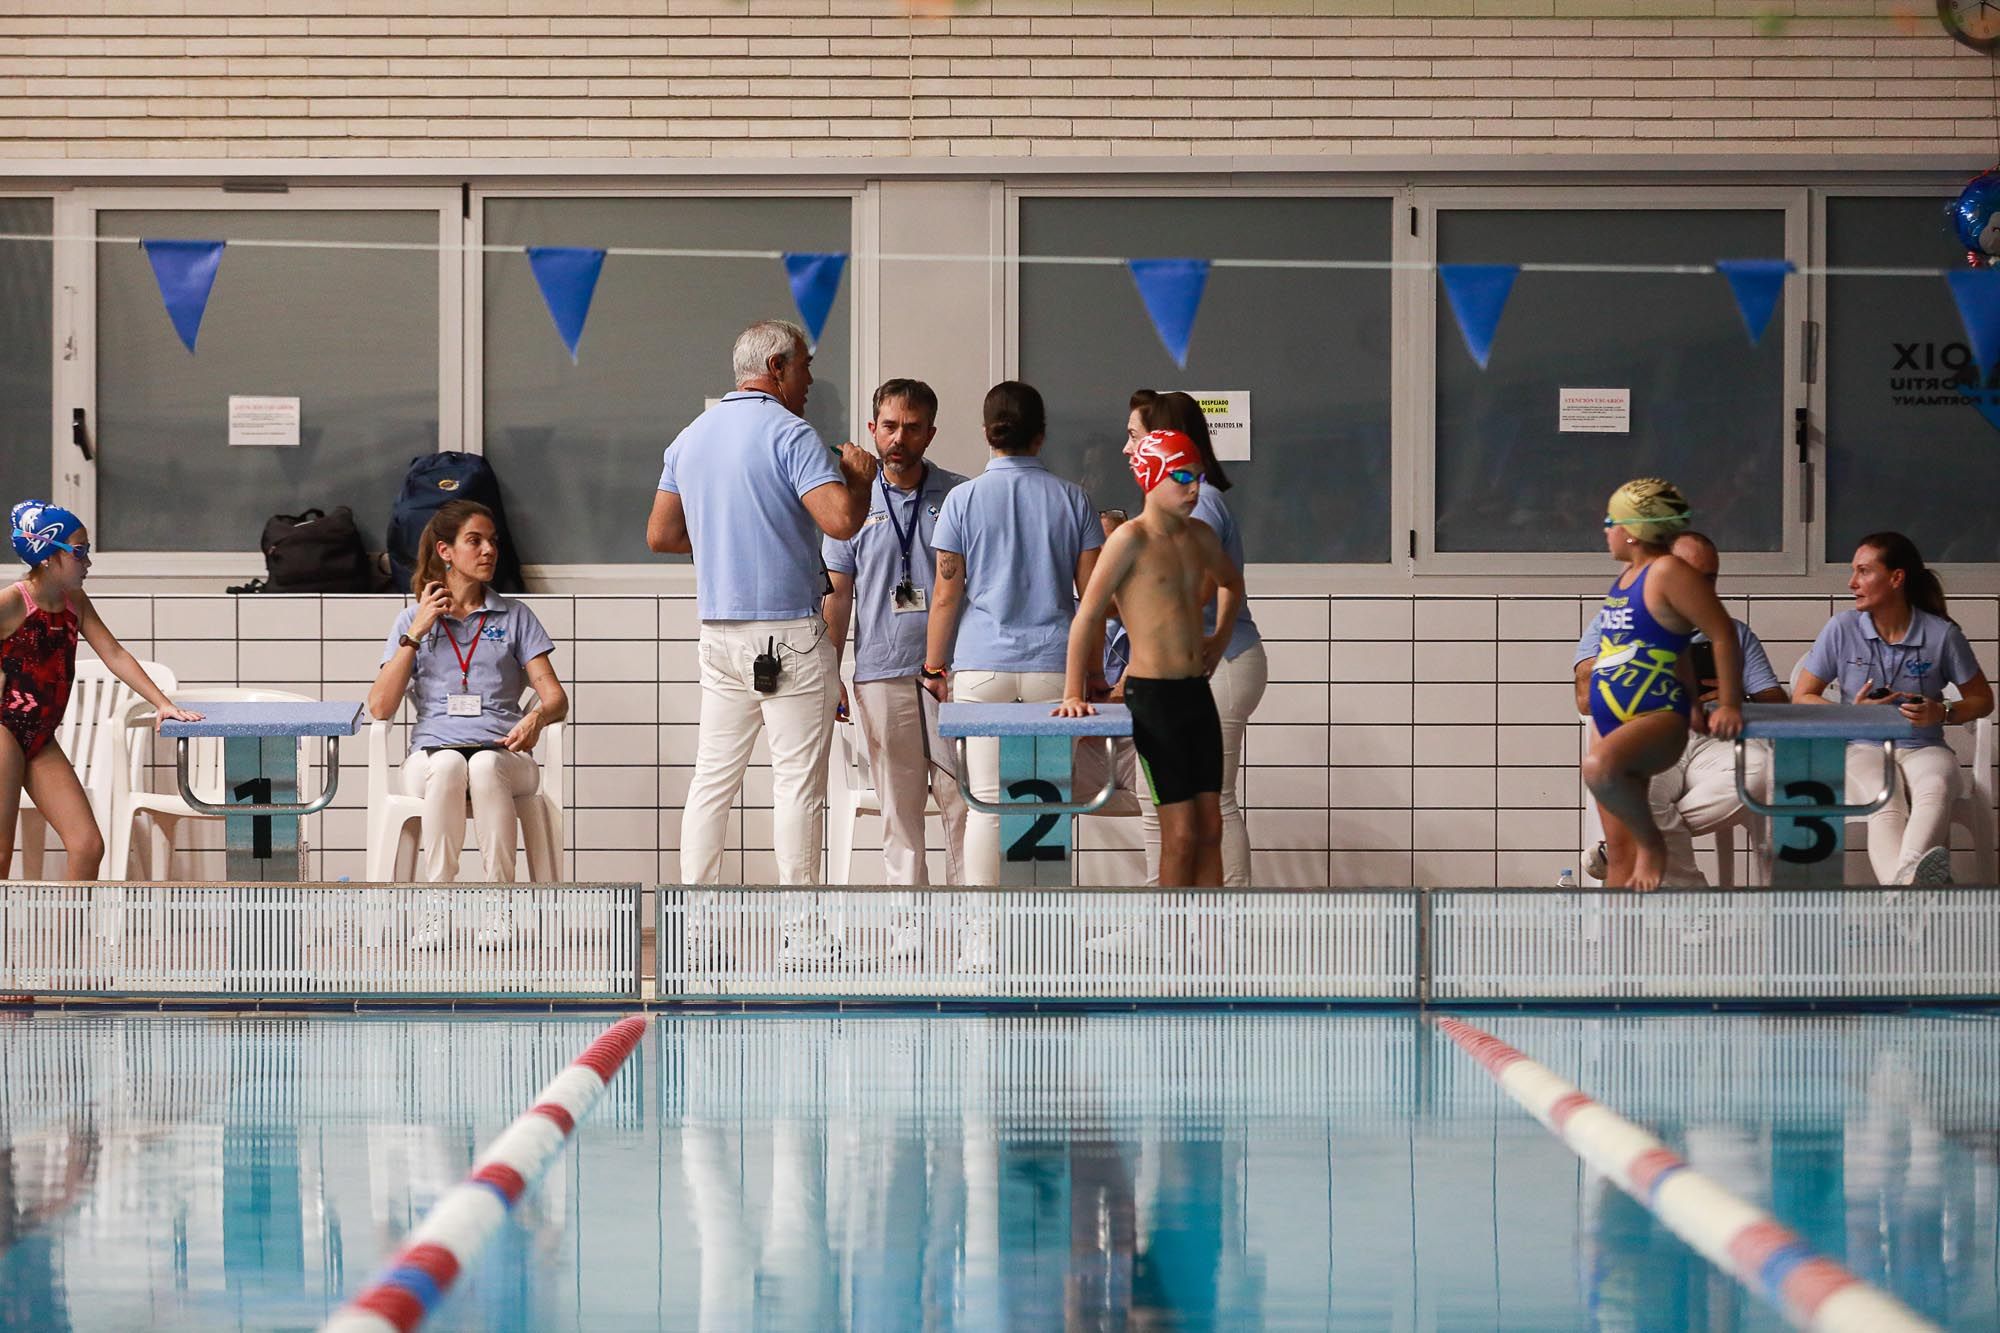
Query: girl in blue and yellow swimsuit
point(1642, 685)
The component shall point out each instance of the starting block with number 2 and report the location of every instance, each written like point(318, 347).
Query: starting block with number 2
point(1034, 799)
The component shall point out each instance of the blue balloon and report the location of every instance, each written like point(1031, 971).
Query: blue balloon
point(1974, 211)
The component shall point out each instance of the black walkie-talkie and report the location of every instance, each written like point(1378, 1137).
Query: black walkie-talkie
point(764, 670)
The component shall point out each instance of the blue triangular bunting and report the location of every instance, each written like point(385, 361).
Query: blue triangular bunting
point(567, 276)
point(1757, 284)
point(815, 281)
point(1478, 293)
point(1171, 289)
point(1977, 291)
point(185, 271)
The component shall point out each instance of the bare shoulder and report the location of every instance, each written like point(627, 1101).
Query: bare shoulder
point(1204, 535)
point(13, 609)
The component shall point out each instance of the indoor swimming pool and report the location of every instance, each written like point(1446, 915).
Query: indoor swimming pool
point(1152, 1170)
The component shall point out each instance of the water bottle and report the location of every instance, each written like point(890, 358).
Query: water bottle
point(1567, 880)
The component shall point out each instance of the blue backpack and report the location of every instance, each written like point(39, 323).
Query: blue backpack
point(432, 480)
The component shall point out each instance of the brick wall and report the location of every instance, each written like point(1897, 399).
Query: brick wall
point(995, 78)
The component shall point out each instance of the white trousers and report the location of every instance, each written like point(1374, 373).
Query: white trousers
point(797, 722)
point(1917, 818)
point(493, 780)
point(1698, 796)
point(891, 715)
point(982, 755)
point(1238, 686)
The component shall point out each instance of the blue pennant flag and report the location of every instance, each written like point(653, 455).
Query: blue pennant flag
point(185, 271)
point(1986, 401)
point(1478, 293)
point(1757, 284)
point(567, 276)
point(1977, 291)
point(815, 281)
point(1171, 289)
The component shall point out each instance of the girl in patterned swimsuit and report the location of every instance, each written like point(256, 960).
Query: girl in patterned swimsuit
point(40, 619)
point(1640, 688)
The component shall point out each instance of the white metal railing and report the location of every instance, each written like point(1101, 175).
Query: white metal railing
point(320, 941)
point(1067, 944)
point(1836, 944)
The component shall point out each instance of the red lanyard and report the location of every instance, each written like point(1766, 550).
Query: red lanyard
point(465, 658)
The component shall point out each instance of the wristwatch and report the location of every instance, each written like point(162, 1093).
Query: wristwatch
point(929, 672)
point(405, 641)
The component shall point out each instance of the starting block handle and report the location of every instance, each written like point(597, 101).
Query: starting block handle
point(1751, 801)
point(1090, 806)
point(312, 807)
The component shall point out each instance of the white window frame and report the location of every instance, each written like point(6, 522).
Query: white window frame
point(1792, 557)
point(1293, 577)
point(861, 273)
point(76, 326)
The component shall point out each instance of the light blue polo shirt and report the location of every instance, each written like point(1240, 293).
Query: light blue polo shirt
point(1209, 508)
point(1933, 653)
point(1117, 650)
point(1757, 673)
point(1021, 530)
point(740, 468)
point(890, 643)
point(497, 654)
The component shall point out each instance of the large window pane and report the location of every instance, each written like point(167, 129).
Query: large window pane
point(352, 334)
point(1707, 408)
point(577, 446)
point(1904, 450)
point(1310, 345)
point(27, 332)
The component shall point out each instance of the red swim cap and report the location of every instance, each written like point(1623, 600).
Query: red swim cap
point(1154, 456)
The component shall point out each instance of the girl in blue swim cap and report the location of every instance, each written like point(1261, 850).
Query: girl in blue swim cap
point(41, 618)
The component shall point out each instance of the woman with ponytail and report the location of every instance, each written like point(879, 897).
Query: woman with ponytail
point(1013, 545)
point(1899, 647)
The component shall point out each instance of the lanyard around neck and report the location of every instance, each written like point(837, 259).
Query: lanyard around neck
point(464, 655)
point(905, 541)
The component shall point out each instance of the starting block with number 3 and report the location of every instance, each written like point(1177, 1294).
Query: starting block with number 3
point(1808, 806)
point(1034, 800)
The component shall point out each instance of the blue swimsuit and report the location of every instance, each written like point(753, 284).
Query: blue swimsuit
point(1636, 656)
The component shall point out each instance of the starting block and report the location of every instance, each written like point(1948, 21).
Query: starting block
point(1035, 797)
point(1808, 806)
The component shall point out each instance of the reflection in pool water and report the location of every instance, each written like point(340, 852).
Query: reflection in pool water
point(1136, 1171)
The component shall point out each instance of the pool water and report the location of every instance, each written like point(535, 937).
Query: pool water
point(1178, 1170)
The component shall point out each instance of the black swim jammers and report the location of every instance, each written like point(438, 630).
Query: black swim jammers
point(1178, 735)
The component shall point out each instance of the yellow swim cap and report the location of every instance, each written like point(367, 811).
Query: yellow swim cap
point(1650, 509)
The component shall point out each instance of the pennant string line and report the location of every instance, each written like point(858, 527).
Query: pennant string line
point(1101, 261)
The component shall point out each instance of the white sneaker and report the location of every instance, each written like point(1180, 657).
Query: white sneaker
point(429, 933)
point(975, 948)
point(805, 949)
point(1596, 861)
point(1933, 869)
point(498, 932)
point(1124, 942)
point(905, 941)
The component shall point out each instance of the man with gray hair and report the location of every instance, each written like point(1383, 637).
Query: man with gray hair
point(747, 489)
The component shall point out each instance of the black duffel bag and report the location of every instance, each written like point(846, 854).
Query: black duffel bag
point(316, 551)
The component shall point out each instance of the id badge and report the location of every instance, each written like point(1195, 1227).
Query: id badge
point(909, 597)
point(463, 705)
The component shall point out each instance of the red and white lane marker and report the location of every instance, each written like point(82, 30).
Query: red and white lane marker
point(451, 1235)
point(1811, 1291)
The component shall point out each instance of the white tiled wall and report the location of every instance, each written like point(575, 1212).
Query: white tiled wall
point(1403, 739)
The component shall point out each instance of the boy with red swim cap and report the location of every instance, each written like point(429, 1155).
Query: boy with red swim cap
point(1156, 569)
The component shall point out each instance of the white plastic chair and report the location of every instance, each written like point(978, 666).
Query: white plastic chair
point(395, 821)
point(1725, 836)
point(850, 794)
point(163, 811)
point(94, 736)
point(1973, 808)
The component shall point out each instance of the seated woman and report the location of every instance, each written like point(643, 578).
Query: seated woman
point(1898, 647)
point(464, 654)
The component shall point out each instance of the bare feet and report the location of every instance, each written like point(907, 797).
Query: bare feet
point(1650, 867)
